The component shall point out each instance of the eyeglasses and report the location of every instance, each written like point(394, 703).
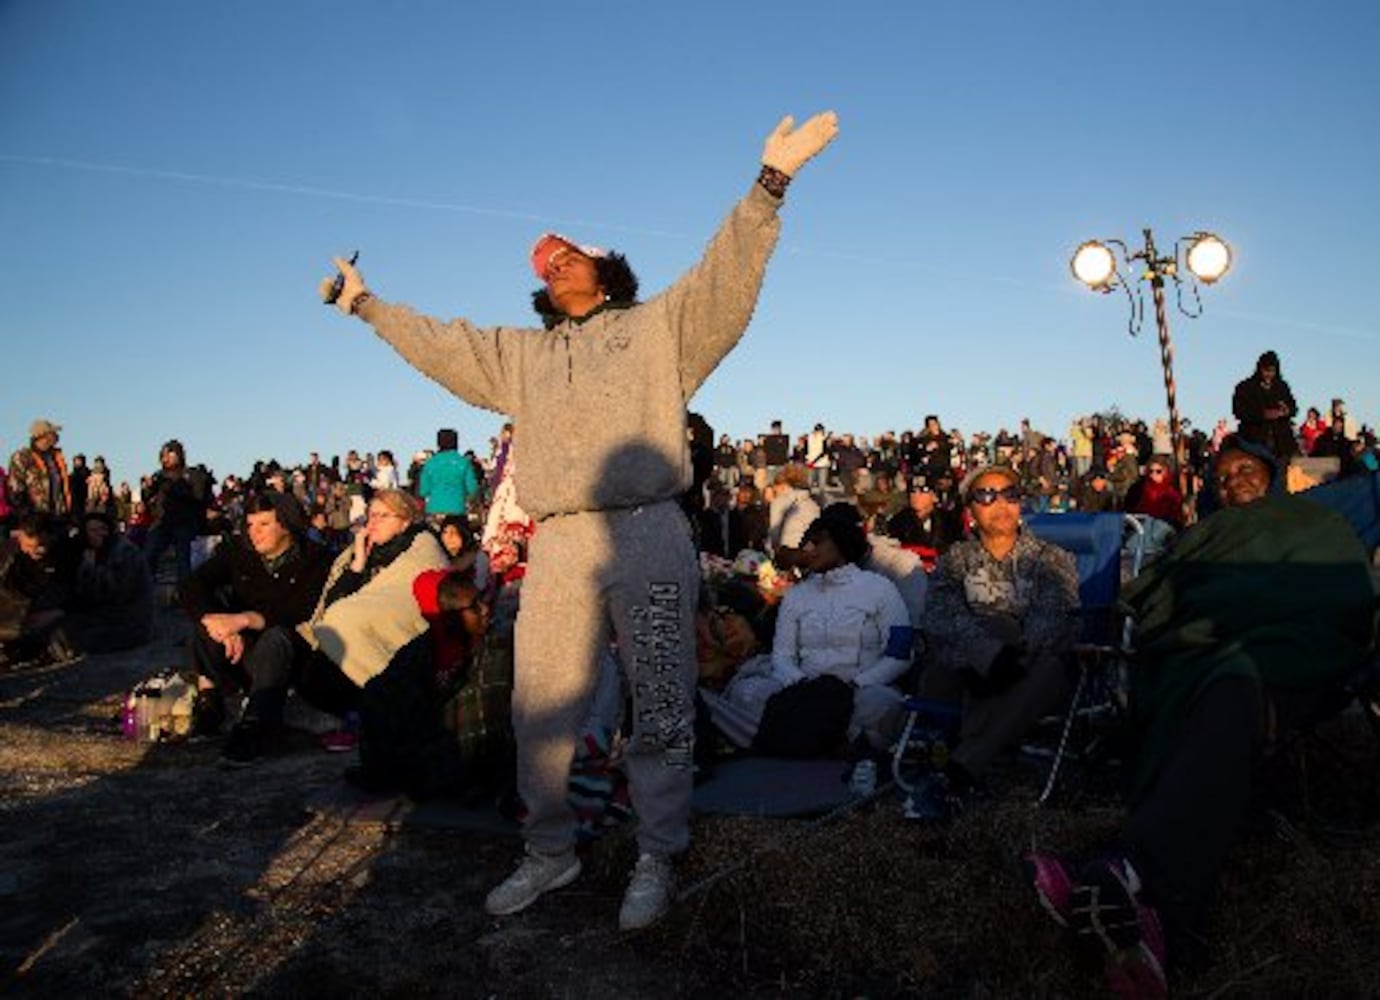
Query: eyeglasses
point(985, 496)
point(1157, 471)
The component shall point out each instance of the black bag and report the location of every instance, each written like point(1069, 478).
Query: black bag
point(808, 719)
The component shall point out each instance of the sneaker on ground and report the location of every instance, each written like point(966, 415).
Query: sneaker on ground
point(649, 892)
point(1053, 885)
point(244, 745)
point(538, 874)
point(1108, 914)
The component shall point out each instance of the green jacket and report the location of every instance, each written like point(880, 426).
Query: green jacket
point(1280, 590)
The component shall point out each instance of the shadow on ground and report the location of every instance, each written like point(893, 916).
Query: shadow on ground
point(150, 871)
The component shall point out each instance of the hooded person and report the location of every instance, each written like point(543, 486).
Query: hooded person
point(1248, 630)
point(1264, 407)
point(599, 400)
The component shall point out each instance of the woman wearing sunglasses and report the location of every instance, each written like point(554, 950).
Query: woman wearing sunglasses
point(998, 622)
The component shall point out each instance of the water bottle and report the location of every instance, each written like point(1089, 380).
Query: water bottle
point(151, 722)
point(863, 781)
point(129, 716)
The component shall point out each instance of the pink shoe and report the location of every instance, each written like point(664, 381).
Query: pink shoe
point(1107, 909)
point(339, 741)
point(1053, 885)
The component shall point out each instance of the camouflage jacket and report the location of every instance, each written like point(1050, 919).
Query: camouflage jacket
point(31, 485)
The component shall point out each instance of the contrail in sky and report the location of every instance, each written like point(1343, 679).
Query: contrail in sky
point(500, 213)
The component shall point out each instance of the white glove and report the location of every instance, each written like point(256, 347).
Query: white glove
point(788, 148)
point(353, 289)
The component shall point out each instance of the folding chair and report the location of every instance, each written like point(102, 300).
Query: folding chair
point(1096, 543)
point(1106, 548)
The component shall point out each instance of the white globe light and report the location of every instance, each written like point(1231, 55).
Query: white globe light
point(1208, 258)
point(1094, 265)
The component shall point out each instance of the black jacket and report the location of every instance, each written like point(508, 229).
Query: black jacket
point(236, 579)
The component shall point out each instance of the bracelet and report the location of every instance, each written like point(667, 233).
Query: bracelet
point(774, 181)
point(360, 299)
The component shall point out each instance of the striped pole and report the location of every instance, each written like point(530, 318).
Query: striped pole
point(1156, 267)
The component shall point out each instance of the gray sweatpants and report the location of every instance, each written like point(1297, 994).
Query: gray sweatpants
point(632, 573)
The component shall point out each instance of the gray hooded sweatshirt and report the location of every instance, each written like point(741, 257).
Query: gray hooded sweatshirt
point(599, 404)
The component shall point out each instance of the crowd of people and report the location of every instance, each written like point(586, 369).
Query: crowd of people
point(776, 594)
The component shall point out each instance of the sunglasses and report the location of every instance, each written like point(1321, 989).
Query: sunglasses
point(986, 496)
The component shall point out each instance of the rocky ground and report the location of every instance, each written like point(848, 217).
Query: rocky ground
point(150, 871)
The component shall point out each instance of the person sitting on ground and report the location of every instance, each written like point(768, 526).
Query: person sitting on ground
point(245, 601)
point(33, 587)
point(366, 613)
point(1155, 494)
point(999, 623)
point(458, 541)
point(110, 606)
point(437, 721)
point(792, 510)
point(1245, 632)
point(842, 629)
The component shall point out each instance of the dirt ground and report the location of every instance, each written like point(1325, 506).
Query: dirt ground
point(140, 870)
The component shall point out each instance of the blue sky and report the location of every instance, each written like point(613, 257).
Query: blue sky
point(174, 178)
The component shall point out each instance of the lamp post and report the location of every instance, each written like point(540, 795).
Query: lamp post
point(1205, 258)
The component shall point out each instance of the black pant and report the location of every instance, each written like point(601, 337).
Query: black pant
point(1178, 836)
point(274, 661)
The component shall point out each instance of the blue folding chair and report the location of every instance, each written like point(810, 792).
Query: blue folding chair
point(1106, 548)
point(1096, 543)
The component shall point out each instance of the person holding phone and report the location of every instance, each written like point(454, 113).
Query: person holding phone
point(598, 399)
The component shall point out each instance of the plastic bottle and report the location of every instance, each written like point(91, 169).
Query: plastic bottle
point(129, 716)
point(152, 724)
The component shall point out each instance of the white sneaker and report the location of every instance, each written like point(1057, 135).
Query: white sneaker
point(538, 874)
point(649, 892)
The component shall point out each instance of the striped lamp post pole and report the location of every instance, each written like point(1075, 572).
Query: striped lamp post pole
point(1205, 258)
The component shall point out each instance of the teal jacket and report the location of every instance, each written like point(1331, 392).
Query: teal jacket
point(447, 483)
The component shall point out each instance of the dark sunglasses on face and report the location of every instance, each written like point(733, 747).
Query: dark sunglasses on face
point(985, 496)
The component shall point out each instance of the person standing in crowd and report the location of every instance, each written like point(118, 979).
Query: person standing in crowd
point(1264, 406)
point(776, 449)
point(176, 500)
point(599, 402)
point(817, 459)
point(77, 476)
point(6, 511)
point(38, 474)
point(447, 482)
point(385, 472)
